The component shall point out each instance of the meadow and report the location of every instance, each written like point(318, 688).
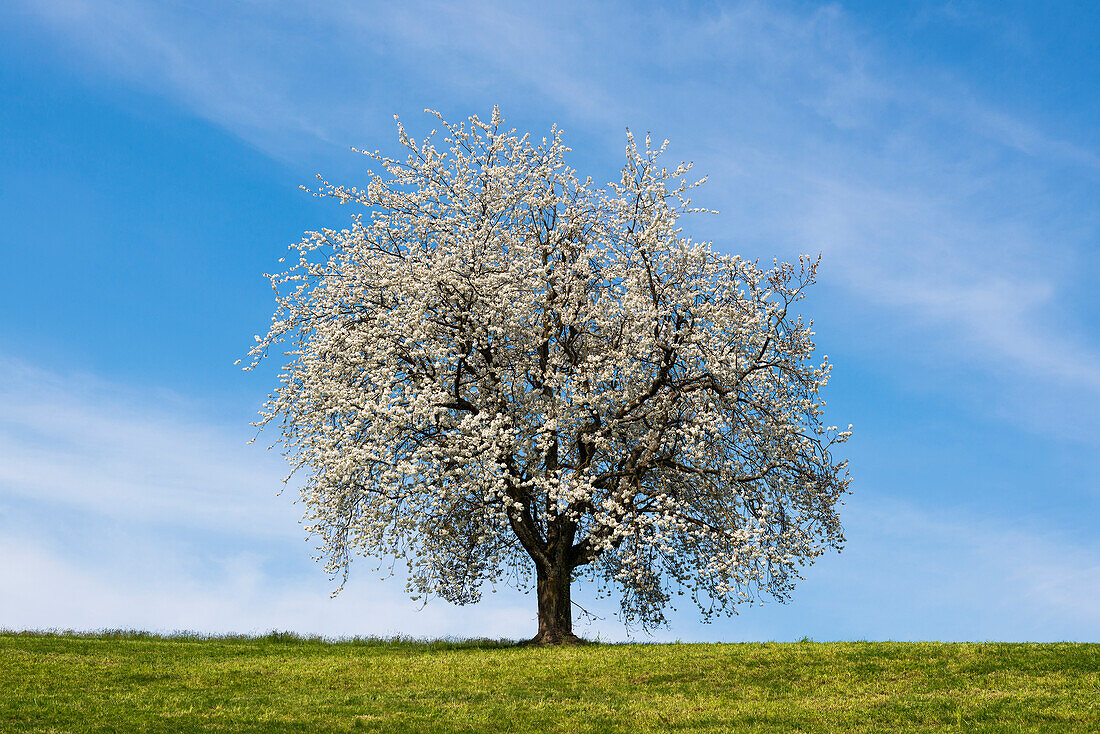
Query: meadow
point(126, 681)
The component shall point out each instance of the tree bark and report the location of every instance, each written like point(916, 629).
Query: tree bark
point(555, 612)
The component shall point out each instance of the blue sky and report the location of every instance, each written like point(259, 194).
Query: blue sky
point(943, 157)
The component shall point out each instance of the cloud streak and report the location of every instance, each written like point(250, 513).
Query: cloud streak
point(46, 590)
point(82, 443)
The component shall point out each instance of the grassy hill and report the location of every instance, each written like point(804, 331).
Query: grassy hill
point(137, 682)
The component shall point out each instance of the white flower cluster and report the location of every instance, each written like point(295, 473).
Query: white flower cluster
point(501, 368)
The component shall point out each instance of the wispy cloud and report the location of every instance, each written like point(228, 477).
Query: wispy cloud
point(45, 589)
point(81, 443)
point(989, 283)
point(961, 576)
point(998, 21)
point(915, 572)
point(300, 69)
point(250, 69)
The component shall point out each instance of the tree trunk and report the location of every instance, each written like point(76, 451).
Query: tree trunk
point(555, 612)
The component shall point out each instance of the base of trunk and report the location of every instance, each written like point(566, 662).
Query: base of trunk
point(550, 639)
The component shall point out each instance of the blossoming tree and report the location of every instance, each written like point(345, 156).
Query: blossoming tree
point(502, 371)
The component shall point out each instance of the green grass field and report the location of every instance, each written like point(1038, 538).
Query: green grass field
point(136, 682)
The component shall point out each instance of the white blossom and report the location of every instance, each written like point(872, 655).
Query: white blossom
point(500, 368)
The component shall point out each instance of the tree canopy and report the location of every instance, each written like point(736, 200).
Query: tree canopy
point(501, 371)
